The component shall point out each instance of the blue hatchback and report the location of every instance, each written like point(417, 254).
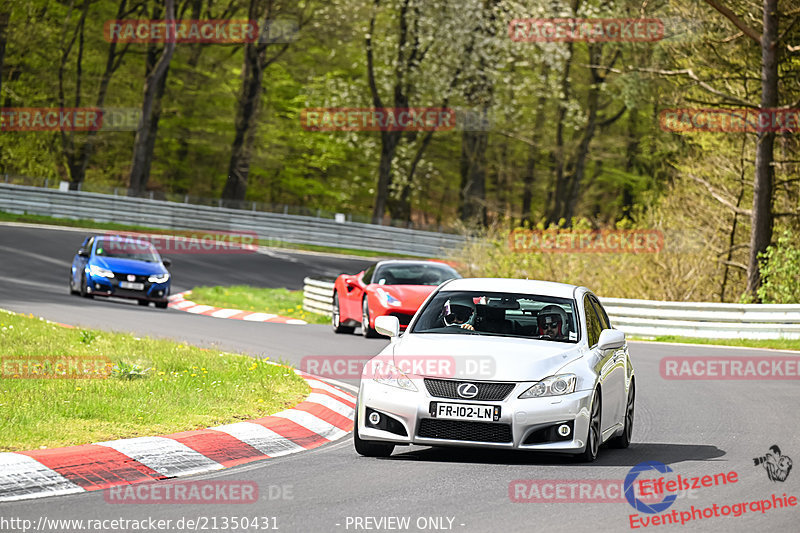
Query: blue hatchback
point(122, 266)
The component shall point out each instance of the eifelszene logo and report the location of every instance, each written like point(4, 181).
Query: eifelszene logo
point(777, 466)
point(638, 504)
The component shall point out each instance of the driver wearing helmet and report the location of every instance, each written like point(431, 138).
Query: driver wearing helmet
point(461, 315)
point(552, 321)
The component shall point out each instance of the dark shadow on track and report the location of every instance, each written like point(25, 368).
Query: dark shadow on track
point(637, 453)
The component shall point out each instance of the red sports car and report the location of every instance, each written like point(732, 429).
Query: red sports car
point(395, 288)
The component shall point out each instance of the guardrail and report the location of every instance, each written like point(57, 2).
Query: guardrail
point(271, 227)
point(648, 318)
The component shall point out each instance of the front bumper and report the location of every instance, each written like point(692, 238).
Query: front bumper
point(102, 286)
point(531, 421)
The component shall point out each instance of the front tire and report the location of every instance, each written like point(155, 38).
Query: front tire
point(144, 303)
point(624, 440)
point(370, 448)
point(336, 317)
point(594, 434)
point(72, 285)
point(85, 293)
point(366, 330)
point(161, 305)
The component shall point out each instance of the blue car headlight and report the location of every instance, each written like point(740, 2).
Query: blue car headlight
point(95, 270)
point(158, 278)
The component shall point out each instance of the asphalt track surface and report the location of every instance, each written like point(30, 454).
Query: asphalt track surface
point(695, 427)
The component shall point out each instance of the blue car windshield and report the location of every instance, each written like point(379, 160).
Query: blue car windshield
point(127, 249)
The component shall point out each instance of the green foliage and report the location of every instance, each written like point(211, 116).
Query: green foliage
point(780, 271)
point(87, 336)
point(128, 371)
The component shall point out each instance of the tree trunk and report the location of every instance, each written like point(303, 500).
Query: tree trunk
point(247, 108)
point(556, 198)
point(529, 178)
point(473, 175)
point(761, 220)
point(592, 104)
point(145, 133)
point(4, 16)
point(389, 142)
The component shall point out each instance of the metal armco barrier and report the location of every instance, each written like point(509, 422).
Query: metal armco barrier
point(648, 318)
point(272, 227)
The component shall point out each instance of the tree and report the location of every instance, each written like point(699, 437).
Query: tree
point(147, 130)
point(761, 217)
point(256, 61)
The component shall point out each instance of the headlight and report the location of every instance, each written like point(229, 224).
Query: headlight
point(387, 299)
point(95, 270)
point(552, 386)
point(158, 278)
point(390, 375)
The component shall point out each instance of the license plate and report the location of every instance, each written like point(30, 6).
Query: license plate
point(130, 285)
point(464, 411)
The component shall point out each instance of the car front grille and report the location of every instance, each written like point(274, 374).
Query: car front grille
point(432, 428)
point(487, 392)
point(124, 277)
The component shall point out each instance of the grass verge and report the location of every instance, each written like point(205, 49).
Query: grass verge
point(84, 223)
point(277, 301)
point(774, 344)
point(157, 386)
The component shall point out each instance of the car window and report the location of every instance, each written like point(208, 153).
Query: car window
point(601, 313)
point(432, 274)
point(501, 314)
point(593, 326)
point(368, 275)
point(126, 249)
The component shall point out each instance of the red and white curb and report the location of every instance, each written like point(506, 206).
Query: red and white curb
point(178, 301)
point(325, 415)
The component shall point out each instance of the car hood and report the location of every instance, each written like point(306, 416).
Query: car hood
point(411, 296)
point(129, 266)
point(487, 358)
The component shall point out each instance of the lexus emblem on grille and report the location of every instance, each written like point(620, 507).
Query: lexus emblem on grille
point(131, 277)
point(467, 390)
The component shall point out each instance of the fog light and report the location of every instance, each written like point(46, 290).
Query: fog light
point(563, 430)
point(374, 418)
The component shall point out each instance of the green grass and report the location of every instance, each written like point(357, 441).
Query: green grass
point(277, 301)
point(84, 223)
point(181, 387)
point(775, 344)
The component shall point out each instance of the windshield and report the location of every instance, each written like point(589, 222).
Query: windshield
point(414, 274)
point(499, 313)
point(127, 249)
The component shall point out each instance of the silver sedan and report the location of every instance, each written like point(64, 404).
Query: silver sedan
point(500, 363)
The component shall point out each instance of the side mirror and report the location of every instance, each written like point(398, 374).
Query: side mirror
point(387, 325)
point(83, 252)
point(611, 339)
point(166, 262)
